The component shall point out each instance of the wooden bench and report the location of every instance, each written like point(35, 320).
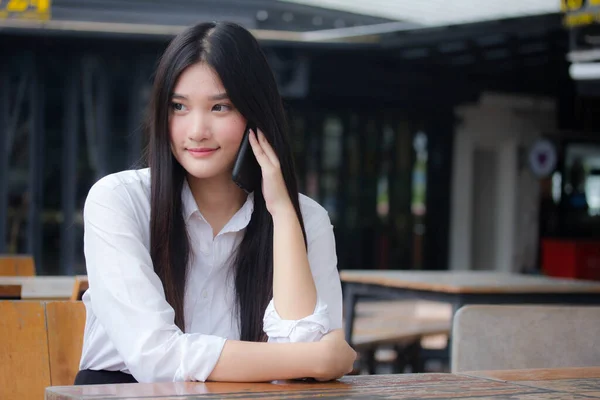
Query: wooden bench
point(16, 265)
point(38, 288)
point(401, 326)
point(41, 344)
point(10, 292)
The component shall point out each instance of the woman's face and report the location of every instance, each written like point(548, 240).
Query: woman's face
point(205, 128)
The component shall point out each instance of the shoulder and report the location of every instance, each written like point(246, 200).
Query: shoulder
point(131, 187)
point(134, 179)
point(315, 216)
point(130, 181)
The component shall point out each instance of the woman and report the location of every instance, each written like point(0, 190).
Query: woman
point(191, 279)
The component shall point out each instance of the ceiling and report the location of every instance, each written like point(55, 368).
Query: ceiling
point(439, 12)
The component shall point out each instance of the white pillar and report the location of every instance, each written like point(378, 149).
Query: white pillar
point(504, 125)
point(506, 212)
point(461, 202)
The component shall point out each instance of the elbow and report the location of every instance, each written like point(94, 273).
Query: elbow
point(309, 333)
point(309, 329)
point(142, 373)
point(181, 358)
point(150, 363)
point(148, 370)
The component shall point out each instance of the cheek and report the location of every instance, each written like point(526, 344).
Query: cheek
point(233, 139)
point(231, 134)
point(177, 130)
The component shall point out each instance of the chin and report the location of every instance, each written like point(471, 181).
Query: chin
point(204, 173)
point(201, 174)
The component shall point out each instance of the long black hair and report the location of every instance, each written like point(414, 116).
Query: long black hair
point(235, 55)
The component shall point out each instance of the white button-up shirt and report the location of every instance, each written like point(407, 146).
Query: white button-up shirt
point(130, 326)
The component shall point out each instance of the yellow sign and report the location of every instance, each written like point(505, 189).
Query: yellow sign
point(581, 19)
point(25, 9)
point(580, 12)
point(576, 5)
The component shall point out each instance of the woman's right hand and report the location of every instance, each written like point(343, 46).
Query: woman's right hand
point(336, 357)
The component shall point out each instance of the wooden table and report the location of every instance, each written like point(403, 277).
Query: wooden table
point(405, 386)
point(37, 287)
point(460, 288)
point(581, 381)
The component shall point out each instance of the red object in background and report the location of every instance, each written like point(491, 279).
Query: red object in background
point(571, 258)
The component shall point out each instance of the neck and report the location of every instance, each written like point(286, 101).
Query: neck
point(218, 199)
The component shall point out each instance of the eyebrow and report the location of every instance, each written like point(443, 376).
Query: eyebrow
point(220, 96)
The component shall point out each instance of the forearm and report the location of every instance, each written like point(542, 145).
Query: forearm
point(261, 362)
point(294, 292)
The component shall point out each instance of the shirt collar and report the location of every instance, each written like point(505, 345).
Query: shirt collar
point(239, 221)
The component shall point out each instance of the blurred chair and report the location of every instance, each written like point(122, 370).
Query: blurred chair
point(400, 326)
point(24, 370)
point(66, 323)
point(16, 265)
point(501, 337)
point(79, 287)
point(41, 344)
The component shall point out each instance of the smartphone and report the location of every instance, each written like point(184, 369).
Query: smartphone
point(246, 171)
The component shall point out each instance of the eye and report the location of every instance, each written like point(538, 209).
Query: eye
point(221, 107)
point(177, 106)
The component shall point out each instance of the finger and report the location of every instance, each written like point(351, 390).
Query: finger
point(267, 148)
point(260, 155)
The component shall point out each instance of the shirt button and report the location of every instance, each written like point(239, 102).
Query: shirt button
point(204, 293)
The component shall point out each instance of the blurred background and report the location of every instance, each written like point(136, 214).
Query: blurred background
point(439, 135)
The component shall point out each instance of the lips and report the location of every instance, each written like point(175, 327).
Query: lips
point(202, 151)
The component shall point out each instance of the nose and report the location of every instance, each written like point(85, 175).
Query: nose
point(199, 128)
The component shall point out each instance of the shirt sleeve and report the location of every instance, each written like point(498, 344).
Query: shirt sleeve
point(328, 310)
point(128, 297)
